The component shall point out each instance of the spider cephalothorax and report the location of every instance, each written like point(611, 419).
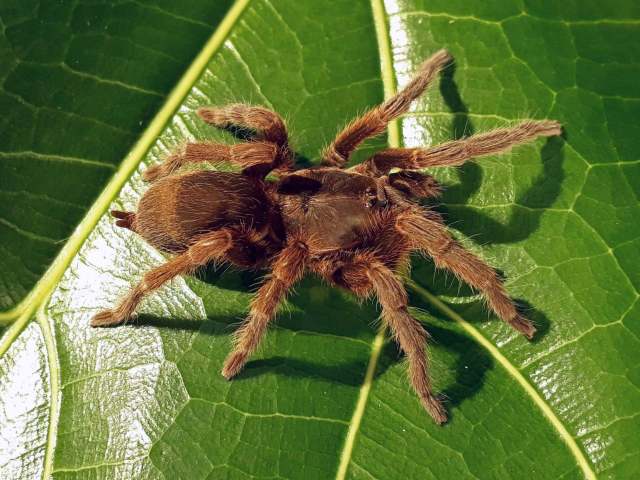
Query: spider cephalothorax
point(354, 227)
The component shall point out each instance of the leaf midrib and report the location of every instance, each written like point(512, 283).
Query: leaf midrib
point(393, 131)
point(393, 139)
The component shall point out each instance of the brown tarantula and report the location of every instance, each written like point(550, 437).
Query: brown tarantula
point(353, 227)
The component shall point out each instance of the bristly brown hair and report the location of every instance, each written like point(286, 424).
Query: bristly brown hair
point(355, 227)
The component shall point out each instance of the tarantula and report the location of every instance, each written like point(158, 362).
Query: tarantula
point(354, 227)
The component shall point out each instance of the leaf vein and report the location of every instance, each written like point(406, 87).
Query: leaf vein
point(270, 415)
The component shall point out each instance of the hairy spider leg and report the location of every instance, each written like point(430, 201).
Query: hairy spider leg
point(375, 121)
point(287, 269)
point(457, 152)
point(428, 234)
point(271, 150)
point(210, 247)
point(366, 273)
point(246, 155)
point(267, 124)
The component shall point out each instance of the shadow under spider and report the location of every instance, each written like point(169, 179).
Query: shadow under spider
point(527, 209)
point(469, 368)
point(342, 317)
point(524, 215)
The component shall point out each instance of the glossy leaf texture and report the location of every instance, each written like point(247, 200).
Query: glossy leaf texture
point(80, 81)
point(326, 397)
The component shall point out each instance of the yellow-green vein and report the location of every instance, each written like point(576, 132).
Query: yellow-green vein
point(356, 419)
point(386, 65)
point(535, 396)
point(24, 311)
point(54, 392)
point(393, 139)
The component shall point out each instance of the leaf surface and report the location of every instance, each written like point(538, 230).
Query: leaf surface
point(327, 397)
point(80, 81)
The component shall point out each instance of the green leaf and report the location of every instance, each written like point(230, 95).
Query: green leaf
point(326, 397)
point(79, 84)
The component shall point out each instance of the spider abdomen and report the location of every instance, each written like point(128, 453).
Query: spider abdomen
point(179, 208)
